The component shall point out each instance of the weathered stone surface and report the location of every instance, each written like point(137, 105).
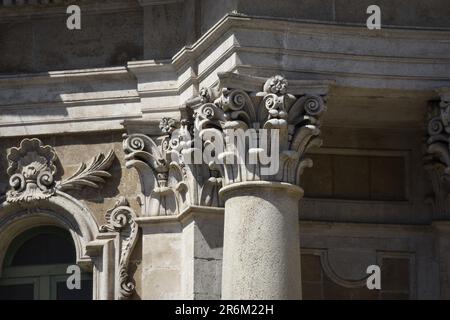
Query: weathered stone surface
point(367, 194)
point(261, 248)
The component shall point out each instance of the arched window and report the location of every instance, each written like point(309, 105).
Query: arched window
point(35, 267)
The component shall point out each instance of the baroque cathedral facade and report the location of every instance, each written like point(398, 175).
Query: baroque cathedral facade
point(104, 131)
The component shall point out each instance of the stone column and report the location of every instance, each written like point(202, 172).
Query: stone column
point(259, 122)
point(261, 246)
point(437, 164)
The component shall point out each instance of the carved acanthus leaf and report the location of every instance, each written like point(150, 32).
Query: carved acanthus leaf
point(91, 175)
point(168, 183)
point(121, 219)
point(173, 169)
point(284, 124)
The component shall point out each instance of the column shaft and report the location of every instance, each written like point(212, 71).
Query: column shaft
point(261, 241)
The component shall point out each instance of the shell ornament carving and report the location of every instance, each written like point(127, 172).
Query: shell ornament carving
point(32, 172)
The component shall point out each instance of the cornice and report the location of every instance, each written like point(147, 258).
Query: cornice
point(65, 75)
point(230, 21)
point(189, 213)
point(259, 46)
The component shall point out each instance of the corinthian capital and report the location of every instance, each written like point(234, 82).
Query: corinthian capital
point(437, 158)
point(168, 183)
point(259, 129)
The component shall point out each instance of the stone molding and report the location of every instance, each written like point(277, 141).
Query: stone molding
point(328, 269)
point(437, 158)
point(66, 212)
point(237, 188)
point(183, 218)
point(32, 170)
point(60, 209)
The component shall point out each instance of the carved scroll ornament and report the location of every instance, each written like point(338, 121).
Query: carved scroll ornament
point(437, 158)
point(294, 116)
point(121, 219)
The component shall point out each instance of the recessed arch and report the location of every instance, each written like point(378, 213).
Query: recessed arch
point(58, 244)
point(61, 210)
point(95, 251)
point(36, 267)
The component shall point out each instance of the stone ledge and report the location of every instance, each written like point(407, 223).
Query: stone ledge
point(180, 218)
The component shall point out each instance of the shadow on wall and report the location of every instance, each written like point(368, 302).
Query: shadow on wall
point(41, 43)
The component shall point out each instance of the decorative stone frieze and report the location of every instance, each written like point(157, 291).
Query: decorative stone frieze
point(32, 171)
point(121, 218)
point(437, 158)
